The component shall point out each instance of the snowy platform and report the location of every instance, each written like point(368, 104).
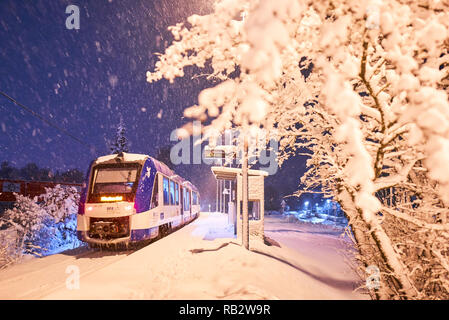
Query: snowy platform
point(214, 225)
point(312, 262)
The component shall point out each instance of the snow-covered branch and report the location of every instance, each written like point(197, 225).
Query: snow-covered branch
point(358, 86)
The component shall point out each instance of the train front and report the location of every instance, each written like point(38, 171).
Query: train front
point(108, 204)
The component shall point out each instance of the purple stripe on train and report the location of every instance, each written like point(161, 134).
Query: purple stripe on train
point(144, 234)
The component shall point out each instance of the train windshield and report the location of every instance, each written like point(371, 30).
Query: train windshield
point(110, 180)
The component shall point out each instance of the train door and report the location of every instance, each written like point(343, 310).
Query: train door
point(181, 201)
point(190, 202)
point(177, 200)
point(186, 201)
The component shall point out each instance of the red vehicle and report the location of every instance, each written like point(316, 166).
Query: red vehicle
point(28, 188)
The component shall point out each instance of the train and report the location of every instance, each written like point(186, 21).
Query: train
point(132, 199)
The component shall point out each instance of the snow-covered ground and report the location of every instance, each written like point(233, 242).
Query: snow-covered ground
point(338, 221)
point(199, 261)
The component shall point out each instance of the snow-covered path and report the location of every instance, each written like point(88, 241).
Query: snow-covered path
point(185, 266)
point(36, 278)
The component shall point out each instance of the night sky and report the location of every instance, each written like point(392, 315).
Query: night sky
point(82, 80)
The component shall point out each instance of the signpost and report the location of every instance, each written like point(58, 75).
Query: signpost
point(214, 153)
point(220, 152)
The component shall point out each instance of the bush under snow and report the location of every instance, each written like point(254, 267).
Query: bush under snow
point(40, 226)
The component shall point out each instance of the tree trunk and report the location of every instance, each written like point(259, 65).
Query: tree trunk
point(372, 253)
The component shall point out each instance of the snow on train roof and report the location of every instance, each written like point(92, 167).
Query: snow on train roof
point(190, 185)
point(136, 157)
point(126, 157)
point(162, 167)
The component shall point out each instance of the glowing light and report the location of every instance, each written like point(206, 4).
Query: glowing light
point(117, 198)
point(127, 208)
point(306, 203)
point(89, 208)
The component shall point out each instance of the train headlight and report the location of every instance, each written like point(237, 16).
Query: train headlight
point(129, 208)
point(109, 199)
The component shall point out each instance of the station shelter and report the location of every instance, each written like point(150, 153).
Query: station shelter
point(229, 198)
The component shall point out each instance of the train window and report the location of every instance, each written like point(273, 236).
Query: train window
point(155, 198)
point(177, 194)
point(172, 192)
point(187, 207)
point(114, 179)
point(165, 186)
point(184, 197)
point(194, 196)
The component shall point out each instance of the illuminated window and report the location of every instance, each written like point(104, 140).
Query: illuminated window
point(186, 197)
point(109, 180)
point(177, 194)
point(166, 192)
point(172, 192)
point(188, 200)
point(183, 197)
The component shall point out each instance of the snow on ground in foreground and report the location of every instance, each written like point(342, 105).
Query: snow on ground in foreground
point(187, 264)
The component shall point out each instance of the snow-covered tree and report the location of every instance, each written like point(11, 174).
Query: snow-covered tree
point(120, 142)
point(42, 225)
point(26, 218)
point(373, 115)
point(61, 205)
